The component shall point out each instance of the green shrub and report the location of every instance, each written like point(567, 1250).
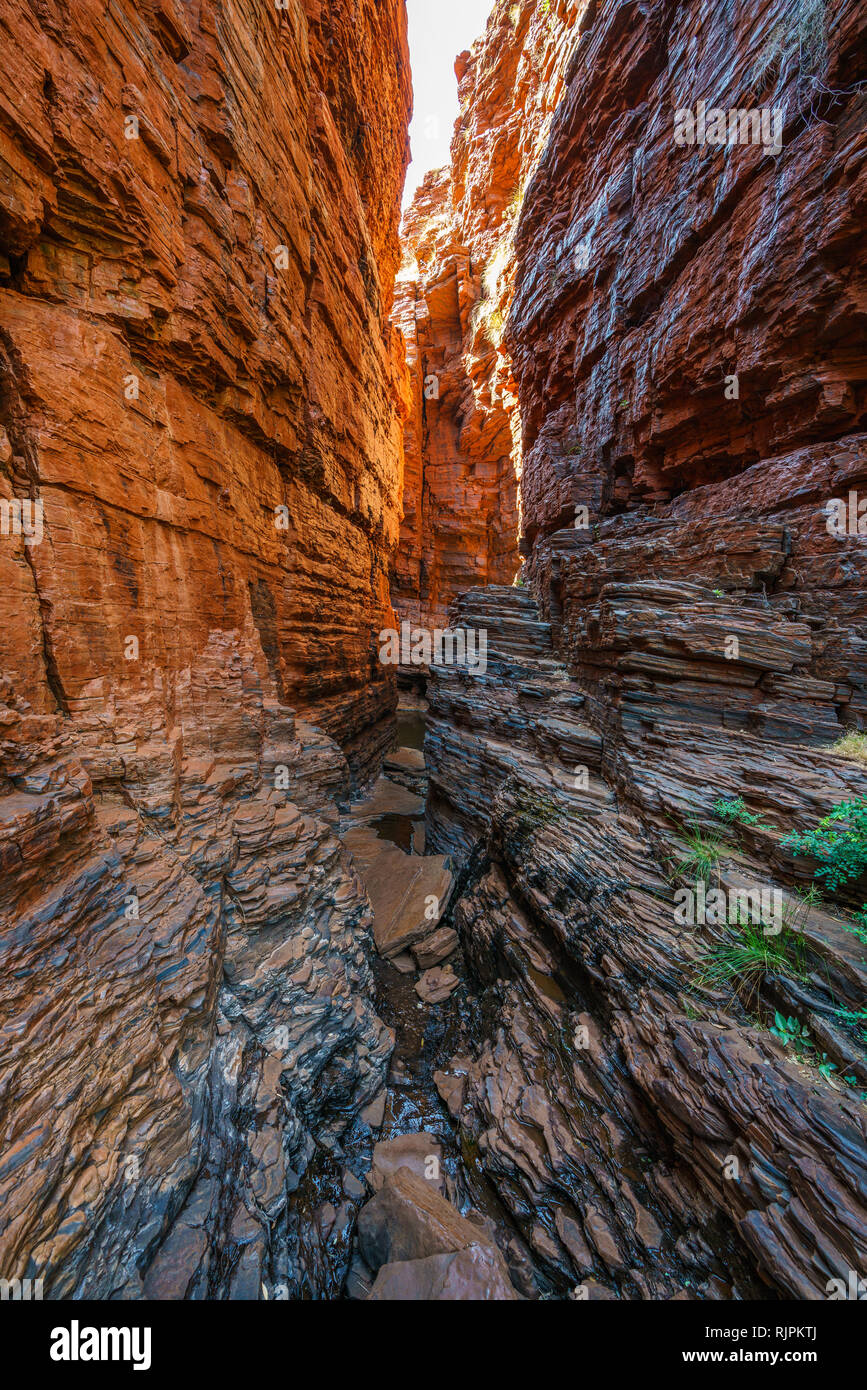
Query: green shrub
point(789, 1030)
point(733, 810)
point(858, 925)
point(839, 842)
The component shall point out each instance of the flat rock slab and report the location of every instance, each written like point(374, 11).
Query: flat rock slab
point(374, 1113)
point(386, 799)
point(437, 984)
point(419, 1152)
point(452, 1089)
point(408, 893)
point(409, 1220)
point(434, 948)
point(405, 760)
point(404, 963)
point(406, 766)
point(472, 1275)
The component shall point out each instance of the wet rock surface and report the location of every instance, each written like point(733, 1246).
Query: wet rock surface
point(408, 892)
point(692, 632)
point(422, 1248)
point(274, 1025)
point(406, 766)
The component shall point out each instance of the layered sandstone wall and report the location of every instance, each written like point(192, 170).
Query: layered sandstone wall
point(462, 445)
point(197, 247)
point(684, 1147)
point(701, 637)
point(196, 334)
point(652, 273)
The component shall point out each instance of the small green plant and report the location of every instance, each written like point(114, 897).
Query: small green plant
point(811, 896)
point(733, 810)
point(839, 842)
point(853, 746)
point(858, 925)
point(791, 1032)
point(703, 854)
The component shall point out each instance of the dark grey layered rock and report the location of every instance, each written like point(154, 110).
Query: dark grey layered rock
point(645, 1128)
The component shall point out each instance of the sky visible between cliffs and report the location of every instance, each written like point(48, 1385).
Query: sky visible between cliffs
point(438, 31)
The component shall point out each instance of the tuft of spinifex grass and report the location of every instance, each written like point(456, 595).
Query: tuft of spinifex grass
point(852, 746)
point(749, 954)
point(703, 853)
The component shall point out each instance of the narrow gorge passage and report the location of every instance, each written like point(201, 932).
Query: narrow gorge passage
point(433, 699)
point(450, 1037)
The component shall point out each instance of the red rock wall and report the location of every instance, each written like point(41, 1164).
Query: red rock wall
point(652, 277)
point(462, 447)
point(648, 273)
point(651, 272)
point(258, 387)
point(211, 425)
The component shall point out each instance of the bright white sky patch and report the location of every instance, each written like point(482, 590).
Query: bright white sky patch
point(438, 31)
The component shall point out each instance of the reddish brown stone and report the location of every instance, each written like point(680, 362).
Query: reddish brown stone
point(195, 335)
point(462, 434)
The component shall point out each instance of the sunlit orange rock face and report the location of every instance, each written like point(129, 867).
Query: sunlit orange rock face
point(688, 328)
point(196, 334)
point(652, 272)
point(462, 453)
point(198, 240)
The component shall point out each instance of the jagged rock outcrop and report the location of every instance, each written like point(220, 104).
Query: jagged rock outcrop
point(203, 412)
point(199, 400)
point(462, 434)
point(687, 338)
point(421, 1248)
point(641, 1123)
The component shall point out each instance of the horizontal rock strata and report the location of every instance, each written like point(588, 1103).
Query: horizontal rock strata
point(612, 1085)
point(462, 433)
point(686, 340)
point(197, 249)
